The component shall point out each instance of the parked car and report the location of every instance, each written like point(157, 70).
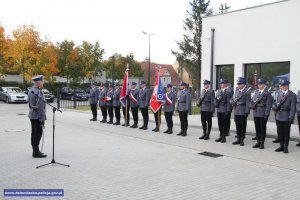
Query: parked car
point(73, 94)
point(13, 94)
point(48, 95)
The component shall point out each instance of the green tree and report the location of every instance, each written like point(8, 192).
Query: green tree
point(189, 55)
point(64, 51)
point(3, 48)
point(120, 63)
point(224, 8)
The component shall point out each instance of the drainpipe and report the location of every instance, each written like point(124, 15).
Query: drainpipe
point(212, 56)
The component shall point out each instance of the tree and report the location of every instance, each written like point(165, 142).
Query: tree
point(120, 66)
point(3, 48)
point(23, 51)
point(224, 8)
point(65, 50)
point(189, 54)
point(48, 60)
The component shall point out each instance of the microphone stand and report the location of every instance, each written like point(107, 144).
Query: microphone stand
point(53, 160)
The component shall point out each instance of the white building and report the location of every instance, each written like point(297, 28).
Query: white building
point(261, 41)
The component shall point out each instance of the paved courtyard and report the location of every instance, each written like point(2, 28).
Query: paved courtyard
point(113, 162)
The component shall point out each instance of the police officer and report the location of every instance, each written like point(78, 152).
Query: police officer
point(144, 98)
point(241, 101)
point(37, 114)
point(285, 110)
point(276, 95)
point(206, 104)
point(124, 110)
point(134, 104)
point(117, 103)
point(298, 113)
point(102, 103)
point(94, 96)
point(183, 107)
point(224, 108)
point(109, 103)
point(261, 103)
point(169, 107)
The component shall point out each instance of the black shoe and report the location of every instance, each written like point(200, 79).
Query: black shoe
point(206, 137)
point(223, 140)
point(155, 130)
point(103, 121)
point(181, 132)
point(298, 144)
point(93, 120)
point(236, 142)
point(145, 128)
point(134, 126)
point(242, 143)
point(116, 123)
point(279, 149)
point(202, 137)
point(255, 138)
point(285, 150)
point(219, 139)
point(256, 145)
point(276, 140)
point(170, 132)
point(110, 122)
point(184, 134)
point(123, 124)
point(39, 155)
point(142, 127)
point(262, 146)
point(167, 131)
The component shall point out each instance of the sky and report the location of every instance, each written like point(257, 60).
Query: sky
point(116, 24)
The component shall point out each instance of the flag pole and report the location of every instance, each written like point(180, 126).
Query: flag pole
point(158, 114)
point(126, 107)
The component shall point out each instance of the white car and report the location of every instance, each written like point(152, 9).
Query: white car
point(13, 94)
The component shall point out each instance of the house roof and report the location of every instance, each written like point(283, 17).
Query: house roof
point(164, 67)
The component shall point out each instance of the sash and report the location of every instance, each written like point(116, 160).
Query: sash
point(168, 100)
point(132, 98)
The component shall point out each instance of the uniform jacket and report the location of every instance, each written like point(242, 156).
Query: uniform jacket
point(110, 94)
point(261, 103)
point(135, 93)
point(116, 98)
point(172, 98)
point(298, 103)
point(206, 100)
point(94, 96)
point(144, 98)
point(287, 110)
point(222, 100)
point(242, 106)
point(184, 100)
point(102, 94)
point(37, 105)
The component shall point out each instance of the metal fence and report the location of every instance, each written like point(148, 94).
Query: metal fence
point(73, 103)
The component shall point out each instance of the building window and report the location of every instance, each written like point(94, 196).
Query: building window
point(272, 72)
point(225, 72)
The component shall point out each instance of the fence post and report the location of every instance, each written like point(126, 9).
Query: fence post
point(58, 97)
point(74, 102)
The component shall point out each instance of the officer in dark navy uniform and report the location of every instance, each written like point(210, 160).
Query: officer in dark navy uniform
point(169, 107)
point(37, 114)
point(241, 101)
point(206, 104)
point(285, 110)
point(298, 113)
point(224, 108)
point(134, 104)
point(183, 107)
point(261, 103)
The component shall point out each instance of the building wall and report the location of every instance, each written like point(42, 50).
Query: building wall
point(267, 33)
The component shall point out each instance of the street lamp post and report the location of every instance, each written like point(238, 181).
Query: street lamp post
point(149, 64)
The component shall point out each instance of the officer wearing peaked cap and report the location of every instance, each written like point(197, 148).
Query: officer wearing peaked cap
point(37, 114)
point(224, 108)
point(183, 107)
point(206, 104)
point(261, 103)
point(109, 103)
point(117, 104)
point(169, 107)
point(241, 102)
point(102, 103)
point(134, 104)
point(144, 98)
point(93, 97)
point(285, 110)
point(298, 113)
